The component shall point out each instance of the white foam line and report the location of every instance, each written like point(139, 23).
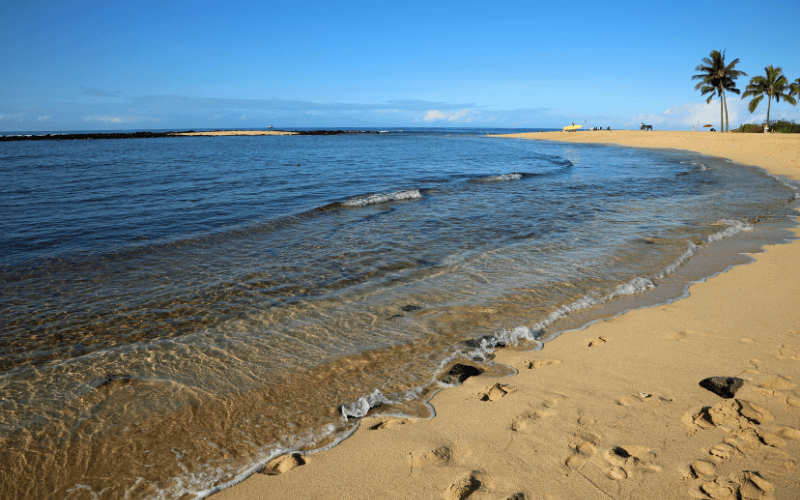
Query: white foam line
point(734, 227)
point(361, 407)
point(502, 178)
point(373, 199)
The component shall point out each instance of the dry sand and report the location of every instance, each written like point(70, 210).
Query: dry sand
point(239, 132)
point(612, 411)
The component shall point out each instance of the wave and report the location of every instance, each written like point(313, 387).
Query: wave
point(374, 199)
point(734, 227)
point(514, 176)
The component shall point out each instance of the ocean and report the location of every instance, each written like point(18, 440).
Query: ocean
point(177, 311)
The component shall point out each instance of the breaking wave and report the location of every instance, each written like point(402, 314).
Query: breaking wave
point(374, 199)
point(514, 176)
point(734, 227)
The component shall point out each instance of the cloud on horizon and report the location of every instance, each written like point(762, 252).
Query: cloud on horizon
point(113, 110)
point(699, 114)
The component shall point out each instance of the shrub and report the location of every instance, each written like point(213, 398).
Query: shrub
point(750, 128)
point(786, 127)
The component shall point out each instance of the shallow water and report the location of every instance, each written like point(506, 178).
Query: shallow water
point(176, 311)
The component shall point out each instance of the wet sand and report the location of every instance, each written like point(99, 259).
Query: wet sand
point(611, 411)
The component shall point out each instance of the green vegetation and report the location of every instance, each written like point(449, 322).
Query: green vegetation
point(781, 126)
point(786, 127)
point(716, 77)
point(750, 128)
point(774, 85)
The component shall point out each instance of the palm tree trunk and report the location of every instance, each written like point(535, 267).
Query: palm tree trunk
point(721, 111)
point(769, 102)
point(727, 124)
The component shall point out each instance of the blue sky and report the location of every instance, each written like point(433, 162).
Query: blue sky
point(175, 65)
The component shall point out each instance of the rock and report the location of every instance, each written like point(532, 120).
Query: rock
point(460, 373)
point(724, 387)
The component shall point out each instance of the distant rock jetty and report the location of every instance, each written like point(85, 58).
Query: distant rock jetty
point(154, 135)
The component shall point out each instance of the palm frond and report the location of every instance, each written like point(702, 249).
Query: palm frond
point(754, 103)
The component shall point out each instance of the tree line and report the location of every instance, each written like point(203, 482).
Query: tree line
point(717, 78)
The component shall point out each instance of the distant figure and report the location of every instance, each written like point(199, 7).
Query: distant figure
point(712, 130)
point(609, 128)
point(646, 127)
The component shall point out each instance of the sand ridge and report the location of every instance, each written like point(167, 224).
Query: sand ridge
point(612, 411)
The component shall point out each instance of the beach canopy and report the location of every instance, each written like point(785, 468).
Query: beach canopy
point(708, 125)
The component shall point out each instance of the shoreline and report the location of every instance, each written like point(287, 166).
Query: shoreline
point(614, 409)
point(159, 135)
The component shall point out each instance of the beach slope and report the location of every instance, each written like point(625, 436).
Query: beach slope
point(612, 411)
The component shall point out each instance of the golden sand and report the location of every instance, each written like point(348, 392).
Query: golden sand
point(612, 411)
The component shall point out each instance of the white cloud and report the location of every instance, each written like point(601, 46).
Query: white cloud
point(44, 118)
point(17, 116)
point(433, 115)
point(118, 119)
point(455, 116)
point(699, 114)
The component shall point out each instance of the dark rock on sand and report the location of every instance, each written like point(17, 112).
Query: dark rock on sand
point(460, 373)
point(411, 307)
point(724, 387)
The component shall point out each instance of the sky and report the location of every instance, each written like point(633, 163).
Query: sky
point(85, 65)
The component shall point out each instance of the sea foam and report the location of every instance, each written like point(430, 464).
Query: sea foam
point(373, 199)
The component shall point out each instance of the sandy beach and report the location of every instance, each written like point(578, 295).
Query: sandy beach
point(612, 411)
point(237, 132)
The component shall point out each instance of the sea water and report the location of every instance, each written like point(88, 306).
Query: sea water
point(174, 312)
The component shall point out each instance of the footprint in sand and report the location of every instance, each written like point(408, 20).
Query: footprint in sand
point(598, 342)
point(642, 397)
point(463, 488)
point(584, 446)
point(790, 351)
point(736, 412)
point(789, 433)
point(494, 392)
point(437, 457)
point(703, 468)
point(777, 383)
point(624, 462)
point(745, 485)
point(284, 463)
point(386, 424)
point(524, 422)
point(681, 336)
point(539, 363)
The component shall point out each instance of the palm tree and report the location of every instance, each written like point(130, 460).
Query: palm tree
point(794, 88)
point(716, 77)
point(774, 84)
